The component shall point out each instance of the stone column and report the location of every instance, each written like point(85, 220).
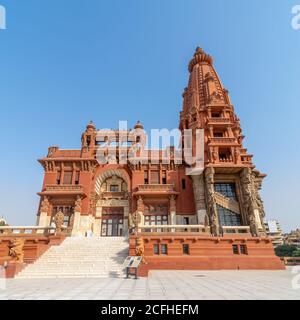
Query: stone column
point(125, 224)
point(173, 210)
point(77, 217)
point(199, 195)
point(140, 211)
point(44, 218)
point(98, 222)
point(211, 202)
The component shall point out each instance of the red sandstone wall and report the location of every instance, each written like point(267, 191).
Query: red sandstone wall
point(207, 253)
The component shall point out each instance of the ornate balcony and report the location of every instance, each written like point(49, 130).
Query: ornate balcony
point(113, 195)
point(223, 141)
point(65, 189)
point(219, 120)
point(162, 189)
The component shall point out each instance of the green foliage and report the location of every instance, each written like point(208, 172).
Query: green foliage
point(2, 223)
point(296, 253)
point(285, 250)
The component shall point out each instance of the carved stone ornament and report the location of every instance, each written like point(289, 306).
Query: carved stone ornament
point(78, 204)
point(140, 249)
point(45, 205)
point(16, 250)
point(172, 203)
point(59, 221)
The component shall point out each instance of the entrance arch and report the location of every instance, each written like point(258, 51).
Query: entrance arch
point(112, 208)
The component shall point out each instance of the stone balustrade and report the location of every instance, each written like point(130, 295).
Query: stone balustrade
point(222, 140)
point(63, 187)
point(27, 230)
point(236, 230)
point(113, 195)
point(219, 120)
point(155, 187)
point(163, 229)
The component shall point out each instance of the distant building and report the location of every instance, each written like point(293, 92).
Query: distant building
point(2, 222)
point(273, 230)
point(293, 238)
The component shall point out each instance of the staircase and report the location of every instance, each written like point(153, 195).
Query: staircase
point(81, 258)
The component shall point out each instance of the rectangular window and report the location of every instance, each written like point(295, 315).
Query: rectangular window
point(243, 249)
point(114, 188)
point(58, 177)
point(146, 177)
point(227, 190)
point(164, 249)
point(228, 218)
point(218, 134)
point(186, 249)
point(235, 249)
point(164, 177)
point(183, 184)
point(154, 177)
point(68, 177)
point(77, 177)
point(156, 249)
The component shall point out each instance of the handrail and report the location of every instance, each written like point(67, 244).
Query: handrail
point(173, 228)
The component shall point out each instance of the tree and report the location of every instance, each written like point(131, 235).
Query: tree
point(285, 250)
point(296, 253)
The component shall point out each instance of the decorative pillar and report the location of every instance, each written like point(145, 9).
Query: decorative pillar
point(173, 210)
point(97, 232)
point(211, 202)
point(251, 203)
point(44, 218)
point(199, 194)
point(126, 217)
point(77, 217)
point(140, 211)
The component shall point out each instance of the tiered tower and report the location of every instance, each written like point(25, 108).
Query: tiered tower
point(227, 193)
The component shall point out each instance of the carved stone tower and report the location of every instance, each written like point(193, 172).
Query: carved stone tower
point(227, 192)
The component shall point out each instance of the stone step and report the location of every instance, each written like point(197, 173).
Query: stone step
point(81, 257)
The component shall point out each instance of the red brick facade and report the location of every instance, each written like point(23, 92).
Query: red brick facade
point(118, 197)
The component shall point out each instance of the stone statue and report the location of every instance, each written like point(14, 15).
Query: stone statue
point(253, 226)
point(140, 249)
point(214, 225)
point(134, 220)
point(78, 204)
point(59, 221)
point(211, 203)
point(16, 250)
point(45, 205)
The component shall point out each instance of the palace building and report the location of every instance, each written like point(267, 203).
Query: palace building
point(210, 219)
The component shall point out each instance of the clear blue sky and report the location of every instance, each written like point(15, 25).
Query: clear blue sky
point(63, 63)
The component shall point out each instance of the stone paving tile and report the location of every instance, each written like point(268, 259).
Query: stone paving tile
point(161, 285)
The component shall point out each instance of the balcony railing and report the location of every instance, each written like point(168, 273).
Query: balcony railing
point(218, 120)
point(236, 230)
point(200, 229)
point(155, 187)
point(113, 195)
point(68, 189)
point(223, 140)
point(25, 230)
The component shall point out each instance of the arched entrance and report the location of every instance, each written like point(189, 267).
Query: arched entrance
point(112, 208)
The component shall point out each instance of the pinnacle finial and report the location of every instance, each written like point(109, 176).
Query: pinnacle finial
point(200, 57)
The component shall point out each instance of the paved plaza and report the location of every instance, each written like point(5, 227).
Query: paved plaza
point(162, 285)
